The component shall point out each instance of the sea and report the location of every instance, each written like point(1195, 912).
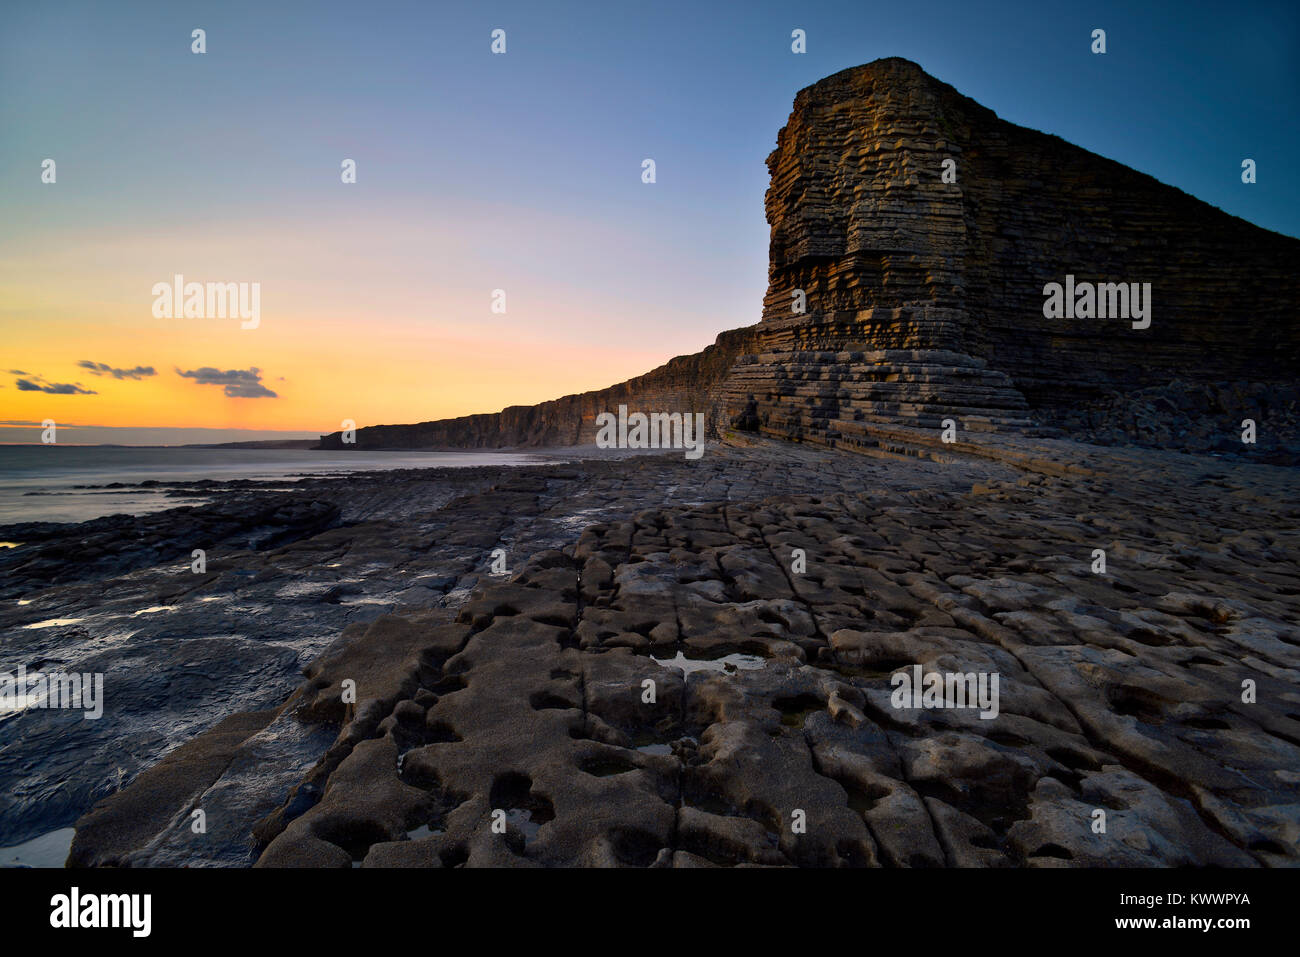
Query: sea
point(65, 483)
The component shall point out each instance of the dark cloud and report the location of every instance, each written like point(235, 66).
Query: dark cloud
point(103, 368)
point(52, 388)
point(254, 391)
point(237, 383)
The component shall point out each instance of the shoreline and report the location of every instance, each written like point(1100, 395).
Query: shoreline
point(425, 606)
point(159, 616)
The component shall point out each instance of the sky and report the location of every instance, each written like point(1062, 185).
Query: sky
point(518, 171)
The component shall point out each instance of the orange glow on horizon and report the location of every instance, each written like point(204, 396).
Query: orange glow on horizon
point(349, 329)
point(318, 381)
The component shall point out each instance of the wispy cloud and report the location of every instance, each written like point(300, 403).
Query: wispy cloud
point(237, 383)
point(103, 368)
point(52, 388)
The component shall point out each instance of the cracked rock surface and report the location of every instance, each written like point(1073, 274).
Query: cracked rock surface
point(661, 683)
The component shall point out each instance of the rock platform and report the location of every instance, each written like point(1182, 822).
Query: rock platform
point(523, 699)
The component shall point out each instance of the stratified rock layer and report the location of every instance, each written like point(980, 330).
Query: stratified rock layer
point(923, 300)
point(684, 384)
point(913, 284)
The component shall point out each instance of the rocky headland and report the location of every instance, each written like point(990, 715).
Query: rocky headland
point(646, 660)
point(923, 299)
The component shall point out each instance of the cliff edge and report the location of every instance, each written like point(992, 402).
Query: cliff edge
point(913, 234)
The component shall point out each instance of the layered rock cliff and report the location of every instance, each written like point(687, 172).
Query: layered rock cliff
point(897, 298)
point(690, 383)
point(924, 298)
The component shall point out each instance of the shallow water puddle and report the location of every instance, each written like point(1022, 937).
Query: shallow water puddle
point(369, 600)
point(425, 831)
point(522, 818)
point(653, 742)
point(727, 664)
point(47, 850)
point(607, 766)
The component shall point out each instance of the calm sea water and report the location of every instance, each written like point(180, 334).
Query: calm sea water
point(39, 483)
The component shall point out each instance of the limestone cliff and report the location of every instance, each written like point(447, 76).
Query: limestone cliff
point(685, 384)
point(924, 298)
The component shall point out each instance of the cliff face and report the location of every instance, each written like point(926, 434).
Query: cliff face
point(685, 384)
point(923, 299)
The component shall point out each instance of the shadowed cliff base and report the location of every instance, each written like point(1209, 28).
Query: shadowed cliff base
point(924, 299)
